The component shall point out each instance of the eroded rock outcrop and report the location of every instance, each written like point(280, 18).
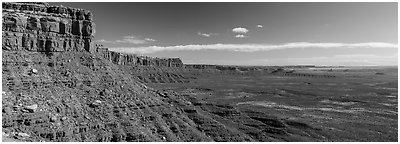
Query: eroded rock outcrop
point(72, 95)
point(39, 27)
point(136, 60)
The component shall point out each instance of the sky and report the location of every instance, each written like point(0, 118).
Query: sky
point(250, 33)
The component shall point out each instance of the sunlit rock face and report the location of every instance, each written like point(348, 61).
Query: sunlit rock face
point(39, 27)
point(137, 60)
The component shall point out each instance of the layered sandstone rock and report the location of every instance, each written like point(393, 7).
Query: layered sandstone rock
point(39, 27)
point(136, 60)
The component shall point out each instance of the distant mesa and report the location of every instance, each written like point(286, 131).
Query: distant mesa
point(133, 59)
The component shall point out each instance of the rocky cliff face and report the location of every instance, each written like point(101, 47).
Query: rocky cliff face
point(39, 27)
point(73, 95)
point(135, 60)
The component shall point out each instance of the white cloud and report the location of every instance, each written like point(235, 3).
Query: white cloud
point(240, 36)
point(132, 39)
point(259, 26)
point(104, 41)
point(206, 34)
point(348, 59)
point(251, 47)
point(240, 30)
point(345, 59)
point(149, 39)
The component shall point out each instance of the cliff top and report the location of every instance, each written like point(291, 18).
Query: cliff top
point(43, 8)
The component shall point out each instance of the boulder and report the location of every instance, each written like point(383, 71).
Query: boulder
point(34, 71)
point(64, 118)
point(31, 108)
point(96, 103)
point(24, 135)
point(53, 118)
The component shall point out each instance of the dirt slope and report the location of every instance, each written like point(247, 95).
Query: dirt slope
point(81, 97)
point(78, 96)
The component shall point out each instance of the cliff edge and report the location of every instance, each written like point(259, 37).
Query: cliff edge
point(38, 27)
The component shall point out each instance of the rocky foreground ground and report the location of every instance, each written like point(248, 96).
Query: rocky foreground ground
point(59, 86)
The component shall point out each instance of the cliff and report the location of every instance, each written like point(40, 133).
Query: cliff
point(136, 60)
point(39, 27)
point(73, 95)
